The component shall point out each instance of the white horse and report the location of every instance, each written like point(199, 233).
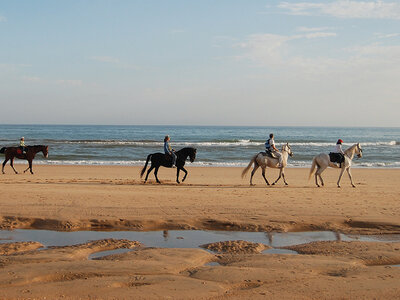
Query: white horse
point(322, 161)
point(263, 161)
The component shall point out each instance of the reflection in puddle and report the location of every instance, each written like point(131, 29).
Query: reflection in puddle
point(185, 238)
point(109, 252)
point(279, 251)
point(212, 264)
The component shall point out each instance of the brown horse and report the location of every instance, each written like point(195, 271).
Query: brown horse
point(15, 152)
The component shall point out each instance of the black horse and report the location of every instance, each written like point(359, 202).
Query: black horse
point(16, 152)
point(165, 160)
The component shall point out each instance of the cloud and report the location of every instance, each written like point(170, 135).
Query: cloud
point(69, 82)
point(106, 59)
point(387, 36)
point(62, 82)
point(32, 79)
point(272, 49)
point(177, 31)
point(3, 19)
point(279, 54)
point(312, 29)
point(345, 9)
point(115, 62)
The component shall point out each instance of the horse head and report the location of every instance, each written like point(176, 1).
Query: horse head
point(359, 150)
point(45, 150)
point(287, 149)
point(192, 154)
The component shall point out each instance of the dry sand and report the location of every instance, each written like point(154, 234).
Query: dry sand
point(105, 197)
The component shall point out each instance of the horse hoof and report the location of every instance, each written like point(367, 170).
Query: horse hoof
point(178, 182)
point(353, 186)
point(286, 183)
point(273, 183)
point(339, 186)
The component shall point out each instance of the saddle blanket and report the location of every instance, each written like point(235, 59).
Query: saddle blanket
point(269, 154)
point(336, 157)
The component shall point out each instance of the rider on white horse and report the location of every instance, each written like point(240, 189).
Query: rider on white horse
point(338, 150)
point(270, 148)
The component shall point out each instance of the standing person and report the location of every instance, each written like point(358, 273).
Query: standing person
point(22, 145)
point(168, 150)
point(270, 147)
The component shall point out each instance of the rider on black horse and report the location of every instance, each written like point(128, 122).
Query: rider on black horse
point(22, 145)
point(169, 151)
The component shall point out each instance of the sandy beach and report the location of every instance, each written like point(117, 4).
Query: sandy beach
point(115, 198)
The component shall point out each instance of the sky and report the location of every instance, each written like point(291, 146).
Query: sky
point(225, 62)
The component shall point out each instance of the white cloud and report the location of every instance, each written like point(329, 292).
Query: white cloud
point(272, 49)
point(345, 9)
point(106, 59)
point(115, 62)
point(69, 82)
point(32, 78)
point(312, 29)
point(3, 19)
point(177, 31)
point(387, 36)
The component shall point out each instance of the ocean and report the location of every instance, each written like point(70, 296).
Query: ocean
point(216, 145)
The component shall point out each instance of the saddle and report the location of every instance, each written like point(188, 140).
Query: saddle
point(269, 154)
point(336, 157)
point(168, 158)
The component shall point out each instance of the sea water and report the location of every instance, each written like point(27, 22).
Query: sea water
point(216, 145)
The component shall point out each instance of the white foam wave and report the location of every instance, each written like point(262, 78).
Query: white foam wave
point(222, 143)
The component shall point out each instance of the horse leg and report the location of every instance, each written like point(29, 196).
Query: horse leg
point(279, 177)
point(252, 173)
point(351, 178)
point(283, 176)
point(184, 177)
point(4, 163)
point(319, 172)
point(177, 174)
point(340, 177)
point(12, 165)
point(316, 179)
point(263, 175)
point(30, 166)
point(148, 172)
point(155, 174)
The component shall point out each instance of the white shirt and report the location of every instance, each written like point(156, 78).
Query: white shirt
point(338, 149)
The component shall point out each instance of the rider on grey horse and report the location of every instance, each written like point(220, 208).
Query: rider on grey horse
point(272, 150)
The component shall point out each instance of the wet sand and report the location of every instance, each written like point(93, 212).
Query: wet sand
point(115, 198)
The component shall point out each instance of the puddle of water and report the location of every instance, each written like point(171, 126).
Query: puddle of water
point(109, 252)
point(279, 251)
point(183, 238)
point(212, 264)
point(395, 265)
point(386, 238)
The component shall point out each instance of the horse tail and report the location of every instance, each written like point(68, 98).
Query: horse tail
point(145, 166)
point(314, 164)
point(253, 160)
point(2, 150)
